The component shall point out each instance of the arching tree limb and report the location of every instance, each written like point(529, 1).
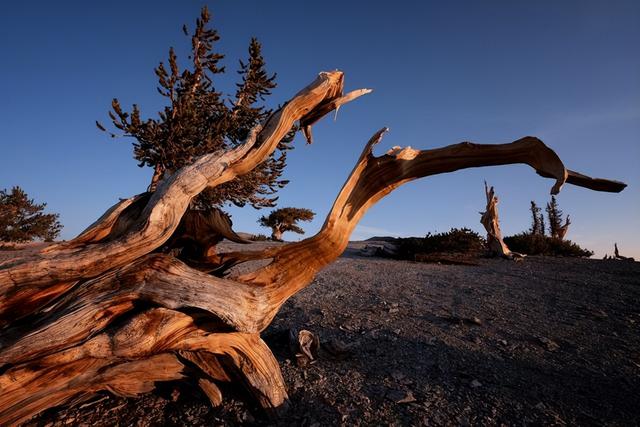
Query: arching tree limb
point(78, 316)
point(165, 208)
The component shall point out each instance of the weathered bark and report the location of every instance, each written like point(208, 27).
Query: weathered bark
point(276, 234)
point(113, 308)
point(491, 223)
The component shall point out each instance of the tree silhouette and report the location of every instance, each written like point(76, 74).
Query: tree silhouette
point(554, 214)
point(537, 220)
point(22, 220)
point(285, 219)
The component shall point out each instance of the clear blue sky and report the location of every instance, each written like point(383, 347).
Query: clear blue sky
point(442, 72)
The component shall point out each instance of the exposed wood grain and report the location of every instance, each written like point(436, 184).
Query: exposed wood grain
point(110, 311)
point(491, 223)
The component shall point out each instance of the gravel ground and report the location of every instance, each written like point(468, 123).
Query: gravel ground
point(548, 341)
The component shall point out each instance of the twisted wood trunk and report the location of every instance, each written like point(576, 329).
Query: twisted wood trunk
point(116, 309)
point(491, 223)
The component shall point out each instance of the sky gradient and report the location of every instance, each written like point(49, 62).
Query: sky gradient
point(489, 72)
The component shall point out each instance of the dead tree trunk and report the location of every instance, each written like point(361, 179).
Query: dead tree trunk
point(111, 310)
point(276, 234)
point(491, 223)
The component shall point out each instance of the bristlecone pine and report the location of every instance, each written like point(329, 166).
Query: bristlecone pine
point(113, 310)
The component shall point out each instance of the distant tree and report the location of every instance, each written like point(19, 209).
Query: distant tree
point(554, 214)
point(22, 220)
point(285, 219)
point(537, 220)
point(556, 229)
point(199, 120)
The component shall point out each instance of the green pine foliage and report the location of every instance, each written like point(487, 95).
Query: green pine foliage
point(554, 214)
point(537, 220)
point(198, 119)
point(286, 219)
point(535, 242)
point(23, 220)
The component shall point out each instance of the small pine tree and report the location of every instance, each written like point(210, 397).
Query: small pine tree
point(285, 219)
point(537, 220)
point(554, 214)
point(22, 220)
point(199, 120)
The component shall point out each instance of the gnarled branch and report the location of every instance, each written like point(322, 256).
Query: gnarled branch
point(76, 318)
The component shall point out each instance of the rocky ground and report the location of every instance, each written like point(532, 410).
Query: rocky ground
point(548, 341)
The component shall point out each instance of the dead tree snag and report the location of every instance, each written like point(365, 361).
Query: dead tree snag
point(112, 310)
point(491, 223)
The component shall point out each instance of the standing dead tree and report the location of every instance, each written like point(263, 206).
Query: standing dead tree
point(109, 310)
point(491, 223)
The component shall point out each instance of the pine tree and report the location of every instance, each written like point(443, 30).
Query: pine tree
point(537, 221)
point(22, 220)
point(285, 219)
point(199, 120)
point(554, 214)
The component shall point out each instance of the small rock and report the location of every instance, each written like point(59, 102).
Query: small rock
point(398, 376)
point(503, 342)
point(476, 384)
point(393, 310)
point(408, 398)
point(540, 406)
point(395, 395)
point(247, 418)
point(549, 344)
point(600, 314)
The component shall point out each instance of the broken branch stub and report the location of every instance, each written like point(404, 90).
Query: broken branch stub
point(109, 311)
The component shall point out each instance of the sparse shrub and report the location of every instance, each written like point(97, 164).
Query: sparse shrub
point(456, 240)
point(259, 238)
point(537, 244)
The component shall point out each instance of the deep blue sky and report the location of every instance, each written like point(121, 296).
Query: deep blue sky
point(442, 72)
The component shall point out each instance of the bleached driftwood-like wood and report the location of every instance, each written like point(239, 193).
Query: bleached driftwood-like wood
point(491, 223)
point(111, 309)
point(163, 211)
